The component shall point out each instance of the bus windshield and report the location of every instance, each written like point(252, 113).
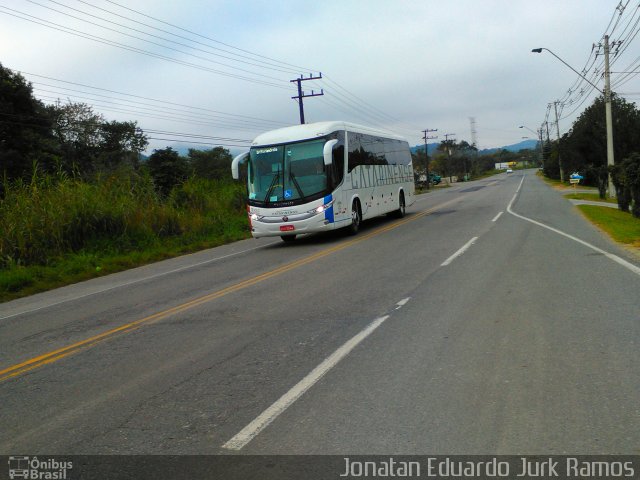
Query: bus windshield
point(289, 172)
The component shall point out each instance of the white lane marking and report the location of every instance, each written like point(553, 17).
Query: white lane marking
point(125, 284)
point(610, 256)
point(402, 303)
point(462, 249)
point(285, 401)
point(495, 219)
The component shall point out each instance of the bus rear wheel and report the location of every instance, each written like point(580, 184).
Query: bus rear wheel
point(402, 208)
point(356, 218)
point(288, 238)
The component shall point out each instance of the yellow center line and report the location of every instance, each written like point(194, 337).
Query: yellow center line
point(63, 352)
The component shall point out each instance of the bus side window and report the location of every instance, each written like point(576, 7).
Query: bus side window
point(356, 154)
point(338, 163)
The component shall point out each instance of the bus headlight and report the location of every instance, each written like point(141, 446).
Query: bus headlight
point(322, 208)
point(254, 216)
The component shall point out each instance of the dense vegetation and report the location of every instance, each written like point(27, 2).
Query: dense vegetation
point(460, 159)
point(584, 149)
point(77, 196)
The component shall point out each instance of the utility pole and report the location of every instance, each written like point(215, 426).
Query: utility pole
point(546, 148)
point(541, 159)
point(426, 151)
point(302, 95)
point(555, 106)
point(446, 139)
point(546, 124)
point(608, 114)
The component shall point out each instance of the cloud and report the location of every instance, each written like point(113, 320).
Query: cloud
point(424, 64)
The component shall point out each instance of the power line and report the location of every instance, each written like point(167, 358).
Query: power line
point(155, 100)
point(144, 107)
point(153, 115)
point(263, 64)
point(176, 136)
point(112, 43)
point(296, 67)
point(164, 139)
point(154, 36)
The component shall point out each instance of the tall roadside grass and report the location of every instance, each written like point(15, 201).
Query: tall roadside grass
point(57, 229)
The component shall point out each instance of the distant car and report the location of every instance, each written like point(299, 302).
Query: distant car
point(509, 170)
point(435, 178)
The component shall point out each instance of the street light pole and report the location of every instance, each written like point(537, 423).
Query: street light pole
point(607, 98)
point(538, 135)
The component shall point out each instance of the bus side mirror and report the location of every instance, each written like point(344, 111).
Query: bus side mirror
point(327, 151)
point(235, 165)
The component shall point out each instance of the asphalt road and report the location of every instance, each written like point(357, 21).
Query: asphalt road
point(493, 319)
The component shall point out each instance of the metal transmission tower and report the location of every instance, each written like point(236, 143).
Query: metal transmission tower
point(426, 151)
point(474, 144)
point(302, 95)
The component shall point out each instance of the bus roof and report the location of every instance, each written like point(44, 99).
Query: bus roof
point(313, 130)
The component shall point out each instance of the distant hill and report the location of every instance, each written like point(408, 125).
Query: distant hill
point(516, 147)
point(431, 147)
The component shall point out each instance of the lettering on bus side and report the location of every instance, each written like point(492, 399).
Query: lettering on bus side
point(390, 159)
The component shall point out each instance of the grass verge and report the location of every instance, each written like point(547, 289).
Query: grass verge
point(594, 197)
point(622, 227)
point(20, 281)
point(55, 231)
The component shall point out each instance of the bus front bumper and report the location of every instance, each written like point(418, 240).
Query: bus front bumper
point(317, 223)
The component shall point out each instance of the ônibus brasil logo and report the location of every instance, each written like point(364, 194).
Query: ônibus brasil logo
point(34, 468)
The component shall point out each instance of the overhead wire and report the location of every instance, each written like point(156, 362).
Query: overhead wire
point(629, 24)
point(155, 36)
point(99, 39)
point(175, 136)
point(204, 36)
point(264, 64)
point(144, 106)
point(155, 100)
point(155, 116)
point(350, 100)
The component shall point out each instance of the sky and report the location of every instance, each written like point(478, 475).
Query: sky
point(219, 72)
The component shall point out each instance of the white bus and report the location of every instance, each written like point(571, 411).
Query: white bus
point(322, 176)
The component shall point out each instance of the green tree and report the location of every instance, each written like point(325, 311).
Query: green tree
point(25, 128)
point(212, 164)
point(168, 169)
point(631, 167)
point(120, 145)
point(78, 130)
point(584, 147)
point(619, 179)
